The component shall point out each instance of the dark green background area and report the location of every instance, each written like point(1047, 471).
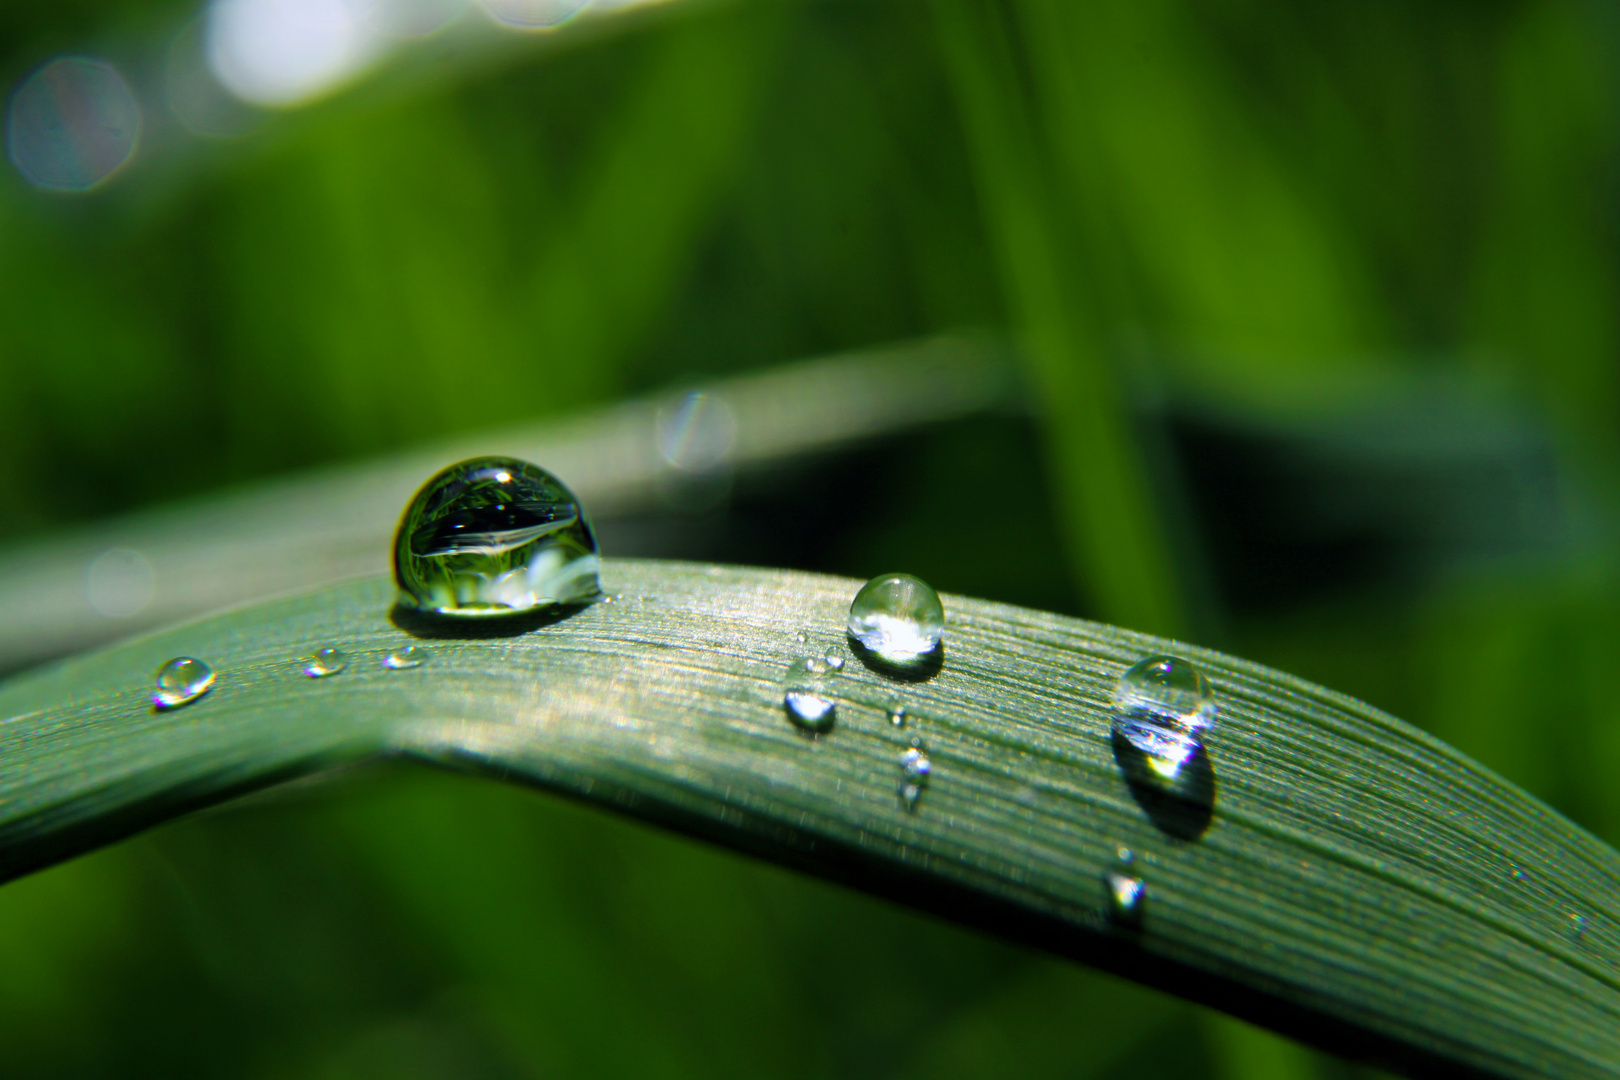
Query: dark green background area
point(1316, 305)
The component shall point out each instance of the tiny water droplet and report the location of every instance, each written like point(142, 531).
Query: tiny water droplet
point(810, 710)
point(1577, 925)
point(898, 619)
point(181, 681)
point(801, 637)
point(1125, 896)
point(1125, 856)
point(910, 794)
point(1519, 874)
point(494, 536)
point(406, 658)
point(1162, 706)
point(915, 769)
point(833, 660)
point(897, 715)
point(327, 661)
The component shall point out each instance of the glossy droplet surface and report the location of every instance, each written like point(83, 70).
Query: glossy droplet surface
point(898, 619)
point(833, 661)
point(1125, 896)
point(807, 706)
point(327, 661)
point(182, 681)
point(494, 536)
point(897, 715)
point(810, 710)
point(1162, 706)
point(404, 659)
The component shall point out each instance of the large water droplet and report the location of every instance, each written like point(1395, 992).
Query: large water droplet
point(1126, 894)
point(494, 536)
point(404, 659)
point(802, 695)
point(182, 681)
point(898, 619)
point(327, 661)
point(1162, 707)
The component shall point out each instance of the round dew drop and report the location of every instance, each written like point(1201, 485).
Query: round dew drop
point(898, 619)
point(494, 536)
point(327, 661)
point(810, 710)
point(1162, 707)
point(181, 681)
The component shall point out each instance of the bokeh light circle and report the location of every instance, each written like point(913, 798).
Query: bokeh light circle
point(533, 14)
point(72, 124)
point(282, 52)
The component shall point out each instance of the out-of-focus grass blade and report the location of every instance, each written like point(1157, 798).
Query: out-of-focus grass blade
point(1345, 878)
point(308, 530)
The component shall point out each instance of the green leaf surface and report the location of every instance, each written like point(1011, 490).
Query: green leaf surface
point(1340, 876)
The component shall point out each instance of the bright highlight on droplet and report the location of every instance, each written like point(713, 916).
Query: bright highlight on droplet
point(1162, 707)
point(182, 681)
point(898, 619)
point(282, 52)
point(327, 661)
point(72, 124)
point(494, 536)
point(1125, 896)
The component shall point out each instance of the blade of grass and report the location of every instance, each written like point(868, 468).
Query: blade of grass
point(1357, 884)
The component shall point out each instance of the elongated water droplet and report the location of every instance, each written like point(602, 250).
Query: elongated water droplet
point(406, 658)
point(1125, 896)
point(915, 769)
point(494, 536)
point(1162, 706)
point(898, 619)
point(182, 681)
point(327, 661)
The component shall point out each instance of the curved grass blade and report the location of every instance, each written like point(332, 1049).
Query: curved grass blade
point(1333, 874)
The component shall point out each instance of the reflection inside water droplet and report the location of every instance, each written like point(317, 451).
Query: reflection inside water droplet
point(833, 660)
point(327, 661)
point(181, 681)
point(897, 619)
point(410, 656)
point(897, 715)
point(1162, 706)
point(494, 536)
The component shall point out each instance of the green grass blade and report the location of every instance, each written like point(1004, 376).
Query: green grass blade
point(1356, 883)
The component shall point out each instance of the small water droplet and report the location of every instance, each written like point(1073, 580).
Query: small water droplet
point(327, 661)
point(915, 769)
point(1125, 856)
point(406, 658)
point(1519, 874)
point(801, 637)
point(1162, 706)
point(1125, 897)
point(181, 681)
point(810, 710)
point(1577, 925)
point(494, 536)
point(910, 794)
point(898, 619)
point(833, 660)
point(897, 715)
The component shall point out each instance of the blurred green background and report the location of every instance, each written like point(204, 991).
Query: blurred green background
point(1316, 307)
